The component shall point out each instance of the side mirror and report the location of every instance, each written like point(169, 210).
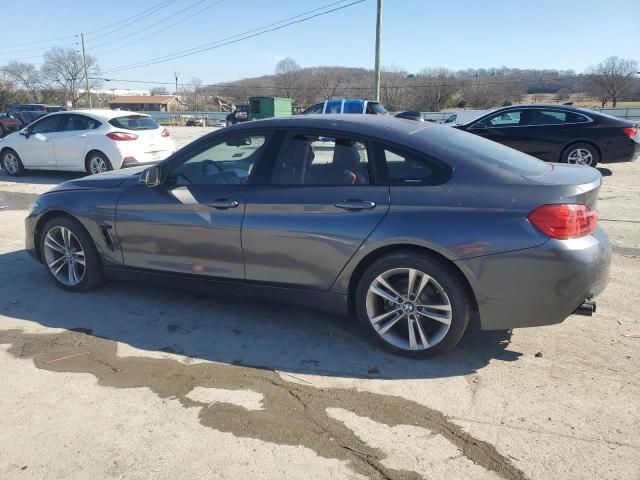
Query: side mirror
point(150, 177)
point(25, 133)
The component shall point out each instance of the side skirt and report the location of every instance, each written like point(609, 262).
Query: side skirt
point(326, 301)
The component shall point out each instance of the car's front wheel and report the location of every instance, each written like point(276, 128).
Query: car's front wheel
point(11, 163)
point(70, 255)
point(413, 304)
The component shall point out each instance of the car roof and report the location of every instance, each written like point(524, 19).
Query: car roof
point(101, 114)
point(542, 105)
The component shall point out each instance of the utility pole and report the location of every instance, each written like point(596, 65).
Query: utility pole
point(86, 75)
point(176, 75)
point(377, 66)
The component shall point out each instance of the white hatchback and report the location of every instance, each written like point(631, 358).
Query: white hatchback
point(85, 140)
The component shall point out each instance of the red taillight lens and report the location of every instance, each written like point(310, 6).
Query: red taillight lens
point(122, 136)
point(631, 131)
point(564, 220)
point(165, 133)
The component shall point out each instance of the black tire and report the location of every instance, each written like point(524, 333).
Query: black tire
point(446, 277)
point(15, 170)
point(93, 275)
point(96, 156)
point(569, 153)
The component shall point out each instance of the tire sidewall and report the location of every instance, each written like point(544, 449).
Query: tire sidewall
point(93, 275)
point(446, 276)
point(93, 155)
point(585, 146)
point(20, 170)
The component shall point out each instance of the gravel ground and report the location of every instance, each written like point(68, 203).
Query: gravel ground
point(131, 382)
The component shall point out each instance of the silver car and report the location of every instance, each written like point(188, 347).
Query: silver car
point(413, 229)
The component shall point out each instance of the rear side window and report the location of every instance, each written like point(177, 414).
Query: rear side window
point(315, 109)
point(334, 106)
point(376, 109)
point(315, 160)
point(134, 122)
point(405, 167)
point(78, 122)
point(554, 117)
point(353, 106)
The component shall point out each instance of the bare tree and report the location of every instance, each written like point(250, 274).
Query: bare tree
point(196, 83)
point(433, 87)
point(287, 77)
point(65, 68)
point(330, 80)
point(482, 94)
point(159, 91)
point(25, 75)
point(612, 78)
point(393, 88)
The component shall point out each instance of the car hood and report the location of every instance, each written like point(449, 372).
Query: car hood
point(110, 179)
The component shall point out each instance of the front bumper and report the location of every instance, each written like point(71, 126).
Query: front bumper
point(29, 240)
point(541, 285)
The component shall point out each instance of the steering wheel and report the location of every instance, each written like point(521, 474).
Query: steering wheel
point(206, 163)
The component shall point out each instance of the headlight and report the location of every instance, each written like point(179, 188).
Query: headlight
point(33, 206)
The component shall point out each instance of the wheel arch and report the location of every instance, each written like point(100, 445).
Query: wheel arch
point(404, 248)
point(89, 153)
point(46, 217)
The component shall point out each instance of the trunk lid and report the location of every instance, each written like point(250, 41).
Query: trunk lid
point(576, 183)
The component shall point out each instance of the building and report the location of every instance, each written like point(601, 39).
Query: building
point(146, 103)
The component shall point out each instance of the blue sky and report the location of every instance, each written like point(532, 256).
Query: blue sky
point(560, 34)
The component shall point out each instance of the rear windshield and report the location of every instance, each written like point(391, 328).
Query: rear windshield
point(376, 108)
point(134, 122)
point(487, 151)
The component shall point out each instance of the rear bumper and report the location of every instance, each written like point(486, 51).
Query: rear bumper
point(628, 153)
point(538, 286)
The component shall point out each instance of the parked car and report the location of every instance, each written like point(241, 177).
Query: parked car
point(29, 116)
point(347, 105)
point(85, 140)
point(411, 227)
point(220, 123)
point(560, 133)
point(12, 121)
point(411, 115)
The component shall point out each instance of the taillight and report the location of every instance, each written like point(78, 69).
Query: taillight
point(122, 136)
point(564, 220)
point(631, 131)
point(165, 133)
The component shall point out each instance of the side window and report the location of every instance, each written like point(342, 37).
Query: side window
point(546, 117)
point(576, 118)
point(78, 122)
point(353, 106)
point(333, 106)
point(505, 119)
point(46, 125)
point(315, 109)
point(405, 167)
point(228, 162)
point(319, 160)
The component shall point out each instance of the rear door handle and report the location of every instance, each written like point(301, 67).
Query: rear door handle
point(224, 203)
point(354, 204)
point(82, 135)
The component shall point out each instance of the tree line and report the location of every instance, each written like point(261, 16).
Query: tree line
point(60, 80)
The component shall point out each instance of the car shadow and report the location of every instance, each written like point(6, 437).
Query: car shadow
point(225, 330)
point(41, 177)
point(605, 172)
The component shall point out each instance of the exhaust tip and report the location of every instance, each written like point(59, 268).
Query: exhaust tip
point(587, 309)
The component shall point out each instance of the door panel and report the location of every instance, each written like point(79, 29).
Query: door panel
point(176, 229)
point(71, 141)
point(37, 150)
point(297, 235)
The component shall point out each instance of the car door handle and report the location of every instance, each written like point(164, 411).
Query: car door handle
point(82, 135)
point(224, 203)
point(354, 204)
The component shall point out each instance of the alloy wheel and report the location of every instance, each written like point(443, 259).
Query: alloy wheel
point(64, 256)
point(11, 163)
point(580, 156)
point(408, 309)
point(97, 165)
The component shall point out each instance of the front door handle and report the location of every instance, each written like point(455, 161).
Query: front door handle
point(224, 203)
point(353, 204)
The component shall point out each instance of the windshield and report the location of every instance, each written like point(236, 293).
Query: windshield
point(134, 122)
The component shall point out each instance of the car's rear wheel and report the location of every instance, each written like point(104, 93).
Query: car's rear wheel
point(70, 255)
point(97, 162)
point(11, 163)
point(413, 304)
point(581, 154)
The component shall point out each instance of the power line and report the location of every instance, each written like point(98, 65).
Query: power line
point(39, 42)
point(39, 48)
point(350, 87)
point(244, 36)
point(134, 19)
point(166, 19)
point(144, 14)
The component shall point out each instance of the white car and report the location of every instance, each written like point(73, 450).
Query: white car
point(85, 140)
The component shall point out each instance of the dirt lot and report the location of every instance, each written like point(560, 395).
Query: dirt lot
point(130, 382)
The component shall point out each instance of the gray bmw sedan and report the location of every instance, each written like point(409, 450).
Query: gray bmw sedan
point(412, 228)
